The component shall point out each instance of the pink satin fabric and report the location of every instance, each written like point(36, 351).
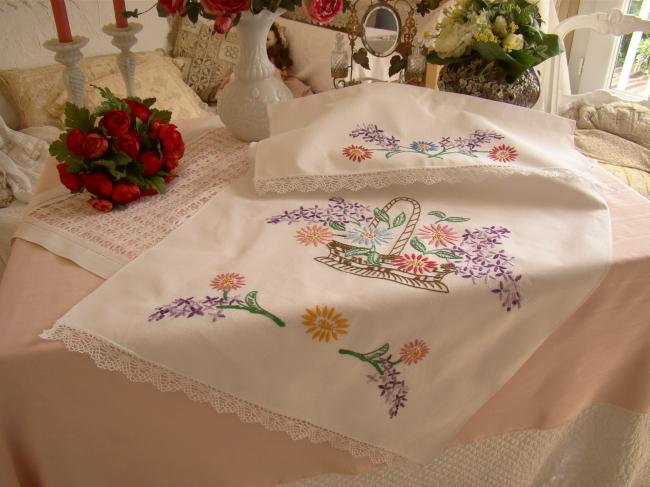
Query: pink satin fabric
point(63, 421)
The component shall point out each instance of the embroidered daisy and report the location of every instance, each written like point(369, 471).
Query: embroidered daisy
point(324, 323)
point(413, 352)
point(313, 235)
point(422, 146)
point(228, 282)
point(368, 236)
point(416, 264)
point(503, 153)
point(357, 153)
point(438, 235)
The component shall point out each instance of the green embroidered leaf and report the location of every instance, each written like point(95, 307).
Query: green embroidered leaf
point(78, 117)
point(158, 183)
point(353, 252)
point(381, 215)
point(438, 214)
point(377, 353)
point(456, 219)
point(337, 226)
point(399, 220)
point(251, 300)
point(417, 244)
point(374, 258)
point(446, 254)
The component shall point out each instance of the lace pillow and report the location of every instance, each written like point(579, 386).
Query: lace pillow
point(33, 91)
point(209, 57)
point(158, 78)
point(379, 134)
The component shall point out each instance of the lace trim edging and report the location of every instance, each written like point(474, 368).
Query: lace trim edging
point(109, 356)
point(428, 176)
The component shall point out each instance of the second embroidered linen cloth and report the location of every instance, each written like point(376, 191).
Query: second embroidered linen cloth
point(381, 134)
point(377, 320)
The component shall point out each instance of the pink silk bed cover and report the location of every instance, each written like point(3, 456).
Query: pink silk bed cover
point(63, 421)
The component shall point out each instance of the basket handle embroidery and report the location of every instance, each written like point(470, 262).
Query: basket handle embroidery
point(408, 229)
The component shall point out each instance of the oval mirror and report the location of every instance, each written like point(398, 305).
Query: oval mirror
point(381, 30)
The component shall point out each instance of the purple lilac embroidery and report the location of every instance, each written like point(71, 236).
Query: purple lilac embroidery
point(483, 260)
point(337, 210)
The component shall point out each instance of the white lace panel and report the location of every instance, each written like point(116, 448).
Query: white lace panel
point(604, 447)
point(210, 162)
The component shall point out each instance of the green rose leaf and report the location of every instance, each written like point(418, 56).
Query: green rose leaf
point(251, 300)
point(59, 150)
point(78, 117)
point(165, 115)
point(417, 244)
point(337, 226)
point(116, 173)
point(381, 215)
point(158, 183)
point(456, 219)
point(437, 214)
point(148, 102)
point(353, 252)
point(446, 254)
point(121, 159)
point(399, 220)
point(374, 258)
point(161, 10)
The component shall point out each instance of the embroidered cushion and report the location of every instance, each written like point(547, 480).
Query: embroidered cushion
point(158, 78)
point(33, 91)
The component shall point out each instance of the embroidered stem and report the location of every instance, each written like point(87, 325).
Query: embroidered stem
point(255, 311)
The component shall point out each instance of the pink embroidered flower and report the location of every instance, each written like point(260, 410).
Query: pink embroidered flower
point(228, 282)
point(503, 153)
point(417, 264)
point(313, 235)
point(438, 235)
point(413, 352)
point(357, 153)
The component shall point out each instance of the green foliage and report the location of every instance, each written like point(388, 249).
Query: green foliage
point(78, 117)
point(111, 102)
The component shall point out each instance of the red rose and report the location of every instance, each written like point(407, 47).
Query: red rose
point(323, 11)
point(70, 180)
point(74, 141)
point(172, 141)
point(116, 122)
point(151, 161)
point(171, 163)
point(213, 7)
point(222, 23)
point(136, 135)
point(173, 7)
point(155, 127)
point(98, 184)
point(138, 110)
point(125, 193)
point(100, 204)
point(148, 192)
point(129, 145)
point(94, 146)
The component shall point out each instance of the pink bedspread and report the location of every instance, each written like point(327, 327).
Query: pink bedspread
point(63, 421)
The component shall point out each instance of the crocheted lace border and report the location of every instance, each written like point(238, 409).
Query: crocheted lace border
point(109, 356)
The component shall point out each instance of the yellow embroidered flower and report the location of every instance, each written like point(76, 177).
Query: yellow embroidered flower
point(325, 323)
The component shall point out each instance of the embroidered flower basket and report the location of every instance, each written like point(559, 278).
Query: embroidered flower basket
point(346, 258)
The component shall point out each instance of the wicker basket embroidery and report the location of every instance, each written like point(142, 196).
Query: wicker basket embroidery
point(366, 262)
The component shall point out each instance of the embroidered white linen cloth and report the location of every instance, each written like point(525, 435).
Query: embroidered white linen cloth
point(375, 135)
point(376, 320)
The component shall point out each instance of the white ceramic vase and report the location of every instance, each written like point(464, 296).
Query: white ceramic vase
point(242, 105)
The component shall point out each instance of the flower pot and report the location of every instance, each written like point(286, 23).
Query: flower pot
point(486, 79)
point(242, 105)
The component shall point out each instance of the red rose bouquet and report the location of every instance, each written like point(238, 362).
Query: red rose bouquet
point(123, 150)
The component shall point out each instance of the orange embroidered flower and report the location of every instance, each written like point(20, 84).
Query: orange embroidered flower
point(325, 323)
point(415, 263)
point(228, 282)
point(313, 235)
point(438, 235)
point(413, 352)
point(503, 153)
point(357, 153)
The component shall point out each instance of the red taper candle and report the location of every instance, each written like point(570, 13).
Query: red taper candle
point(120, 8)
point(61, 20)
